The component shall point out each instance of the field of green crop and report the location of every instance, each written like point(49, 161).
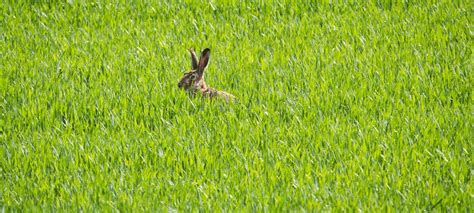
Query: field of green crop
point(355, 106)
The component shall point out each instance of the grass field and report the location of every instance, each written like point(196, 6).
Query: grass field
point(357, 106)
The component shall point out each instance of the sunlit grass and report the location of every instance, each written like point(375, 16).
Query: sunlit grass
point(341, 106)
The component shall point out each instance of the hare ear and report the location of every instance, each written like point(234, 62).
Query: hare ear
point(206, 53)
point(194, 61)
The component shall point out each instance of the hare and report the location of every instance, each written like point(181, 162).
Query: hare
point(193, 81)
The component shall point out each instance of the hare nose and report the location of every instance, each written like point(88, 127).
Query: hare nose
point(179, 85)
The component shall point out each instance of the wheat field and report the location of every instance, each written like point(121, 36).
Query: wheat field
point(355, 106)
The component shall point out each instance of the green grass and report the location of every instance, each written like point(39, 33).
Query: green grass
point(357, 106)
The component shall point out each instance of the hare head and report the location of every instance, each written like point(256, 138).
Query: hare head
point(193, 81)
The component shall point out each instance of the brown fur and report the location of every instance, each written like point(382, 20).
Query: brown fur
point(193, 81)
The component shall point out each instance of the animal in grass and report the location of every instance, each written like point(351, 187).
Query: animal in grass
point(193, 81)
